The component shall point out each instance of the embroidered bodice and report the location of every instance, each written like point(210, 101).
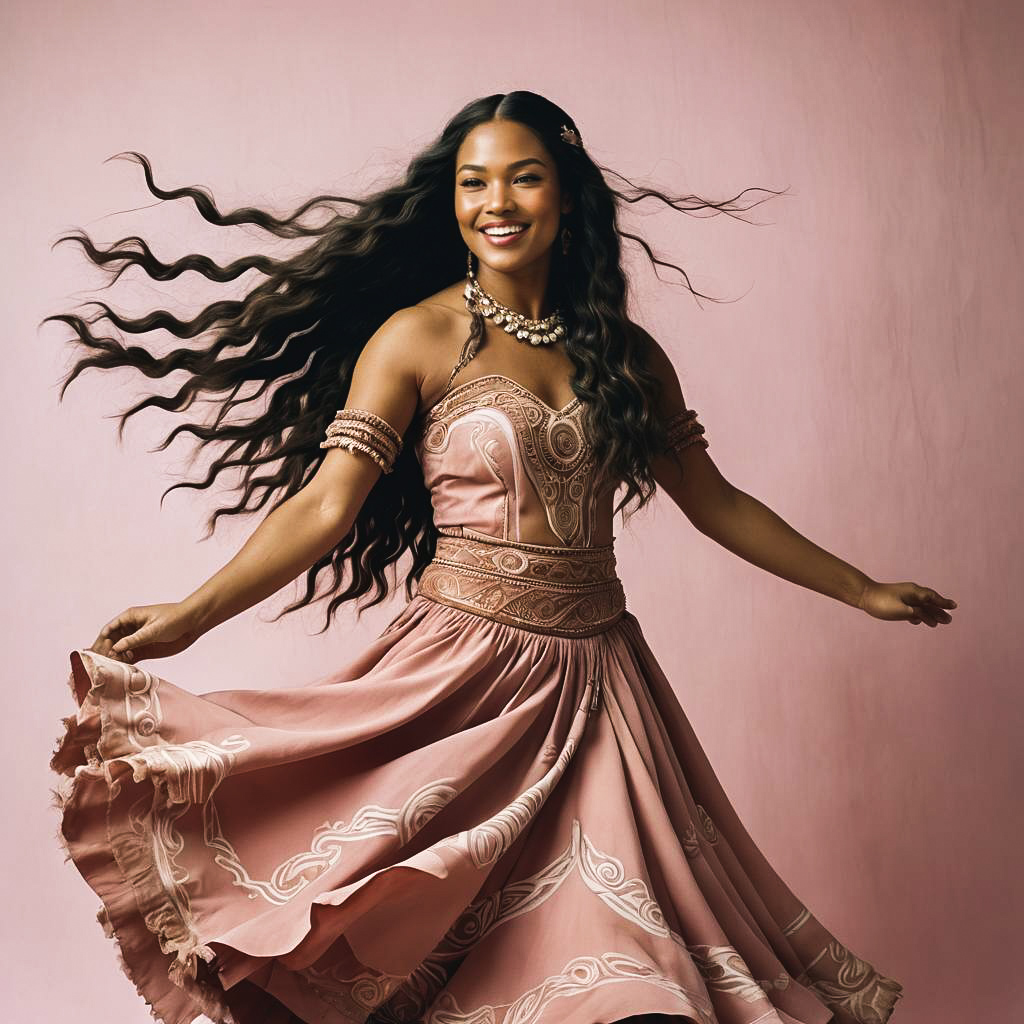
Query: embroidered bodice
point(496, 458)
point(502, 464)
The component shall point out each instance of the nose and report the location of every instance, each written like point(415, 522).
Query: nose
point(498, 198)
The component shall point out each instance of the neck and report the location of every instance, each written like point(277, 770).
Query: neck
point(525, 290)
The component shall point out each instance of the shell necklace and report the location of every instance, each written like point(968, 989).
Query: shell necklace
point(536, 332)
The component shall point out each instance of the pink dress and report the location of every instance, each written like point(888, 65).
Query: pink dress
point(497, 813)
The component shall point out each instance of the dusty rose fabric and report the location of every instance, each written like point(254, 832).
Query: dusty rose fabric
point(470, 822)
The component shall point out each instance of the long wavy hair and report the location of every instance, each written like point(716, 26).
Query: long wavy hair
point(296, 335)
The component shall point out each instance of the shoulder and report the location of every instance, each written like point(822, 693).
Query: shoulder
point(401, 344)
point(406, 331)
point(658, 362)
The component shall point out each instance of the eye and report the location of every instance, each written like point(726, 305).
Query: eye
point(468, 182)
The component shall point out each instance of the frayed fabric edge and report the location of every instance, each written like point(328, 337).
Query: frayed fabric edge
point(103, 863)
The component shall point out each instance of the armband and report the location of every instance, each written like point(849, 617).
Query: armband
point(360, 430)
point(683, 430)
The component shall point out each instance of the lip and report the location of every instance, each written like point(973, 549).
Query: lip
point(504, 241)
point(503, 224)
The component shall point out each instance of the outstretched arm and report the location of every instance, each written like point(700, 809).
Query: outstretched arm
point(748, 528)
point(386, 384)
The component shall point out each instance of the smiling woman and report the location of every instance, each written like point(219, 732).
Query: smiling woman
point(497, 812)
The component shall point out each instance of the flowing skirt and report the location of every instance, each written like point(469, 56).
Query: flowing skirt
point(470, 821)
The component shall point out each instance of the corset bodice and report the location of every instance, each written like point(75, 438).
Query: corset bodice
point(498, 461)
point(524, 533)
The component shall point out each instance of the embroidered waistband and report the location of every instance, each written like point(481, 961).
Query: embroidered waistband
point(557, 590)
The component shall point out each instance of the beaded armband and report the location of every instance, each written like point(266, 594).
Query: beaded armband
point(360, 430)
point(684, 430)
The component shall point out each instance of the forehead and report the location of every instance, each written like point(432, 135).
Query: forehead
point(497, 143)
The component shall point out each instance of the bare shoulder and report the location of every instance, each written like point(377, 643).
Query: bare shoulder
point(405, 344)
point(406, 333)
point(658, 361)
point(686, 472)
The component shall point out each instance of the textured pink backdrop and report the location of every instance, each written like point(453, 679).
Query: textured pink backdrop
point(865, 383)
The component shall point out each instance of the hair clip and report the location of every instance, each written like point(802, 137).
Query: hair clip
point(571, 136)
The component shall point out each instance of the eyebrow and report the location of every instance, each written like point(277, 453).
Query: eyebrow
point(512, 166)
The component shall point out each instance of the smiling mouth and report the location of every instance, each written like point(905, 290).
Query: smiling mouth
point(504, 232)
point(503, 238)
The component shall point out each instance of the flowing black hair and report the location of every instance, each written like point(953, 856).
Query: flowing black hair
point(296, 335)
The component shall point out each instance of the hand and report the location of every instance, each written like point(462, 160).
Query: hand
point(147, 631)
point(905, 601)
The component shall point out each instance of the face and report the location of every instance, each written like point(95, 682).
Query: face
point(505, 175)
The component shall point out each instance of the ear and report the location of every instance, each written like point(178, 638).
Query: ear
point(567, 203)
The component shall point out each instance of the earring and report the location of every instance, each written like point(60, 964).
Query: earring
point(566, 240)
point(469, 261)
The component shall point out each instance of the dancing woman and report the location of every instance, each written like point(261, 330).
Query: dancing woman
point(498, 811)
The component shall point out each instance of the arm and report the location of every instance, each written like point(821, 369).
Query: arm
point(748, 528)
point(386, 381)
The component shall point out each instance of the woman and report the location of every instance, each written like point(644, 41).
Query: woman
point(498, 811)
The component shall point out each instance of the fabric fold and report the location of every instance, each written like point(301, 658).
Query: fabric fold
point(466, 822)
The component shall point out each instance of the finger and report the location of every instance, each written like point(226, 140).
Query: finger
point(930, 604)
point(933, 597)
point(127, 645)
point(102, 642)
point(107, 642)
point(122, 650)
point(931, 616)
point(115, 629)
point(924, 614)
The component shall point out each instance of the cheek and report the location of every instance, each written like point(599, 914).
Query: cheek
point(546, 206)
point(465, 213)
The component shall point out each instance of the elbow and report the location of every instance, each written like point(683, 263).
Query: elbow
point(336, 518)
point(333, 514)
point(697, 487)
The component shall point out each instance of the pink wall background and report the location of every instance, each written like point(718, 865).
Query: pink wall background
point(865, 383)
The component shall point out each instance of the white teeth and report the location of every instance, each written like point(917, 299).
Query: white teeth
point(504, 231)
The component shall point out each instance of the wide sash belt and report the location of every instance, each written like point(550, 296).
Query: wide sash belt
point(557, 590)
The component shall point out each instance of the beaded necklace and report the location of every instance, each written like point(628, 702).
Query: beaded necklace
point(537, 332)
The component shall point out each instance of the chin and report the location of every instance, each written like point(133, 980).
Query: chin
point(506, 261)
